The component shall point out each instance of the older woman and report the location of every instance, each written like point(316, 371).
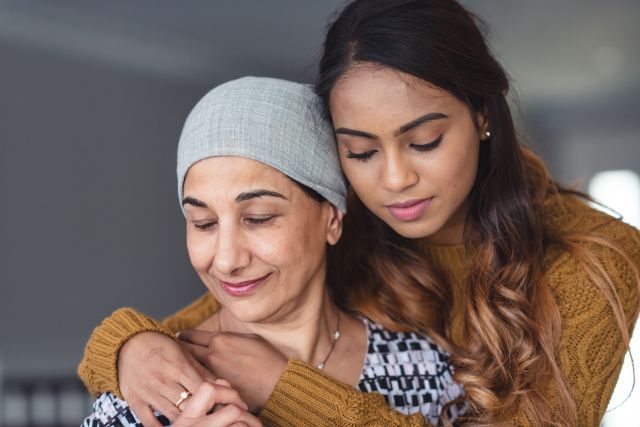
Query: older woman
point(263, 195)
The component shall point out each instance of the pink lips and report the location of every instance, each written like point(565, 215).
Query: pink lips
point(241, 289)
point(409, 210)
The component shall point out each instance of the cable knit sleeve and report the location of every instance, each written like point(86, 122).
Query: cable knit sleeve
point(305, 396)
point(98, 368)
point(592, 349)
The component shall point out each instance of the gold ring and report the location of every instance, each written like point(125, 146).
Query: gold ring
point(183, 396)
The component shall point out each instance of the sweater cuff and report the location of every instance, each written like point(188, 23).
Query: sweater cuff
point(302, 396)
point(306, 396)
point(99, 366)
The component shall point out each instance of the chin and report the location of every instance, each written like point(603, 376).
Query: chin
point(247, 313)
point(414, 229)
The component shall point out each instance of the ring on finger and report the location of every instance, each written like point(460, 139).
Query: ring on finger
point(183, 396)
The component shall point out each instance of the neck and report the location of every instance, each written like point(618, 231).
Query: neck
point(304, 332)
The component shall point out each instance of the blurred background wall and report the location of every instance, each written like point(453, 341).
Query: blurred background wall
point(93, 96)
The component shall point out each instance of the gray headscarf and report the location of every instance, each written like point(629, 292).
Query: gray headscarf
point(273, 121)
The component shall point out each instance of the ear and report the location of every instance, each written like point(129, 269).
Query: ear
point(483, 125)
point(334, 224)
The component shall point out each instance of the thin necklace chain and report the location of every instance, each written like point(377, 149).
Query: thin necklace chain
point(334, 339)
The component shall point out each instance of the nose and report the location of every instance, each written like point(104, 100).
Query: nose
point(398, 173)
point(231, 252)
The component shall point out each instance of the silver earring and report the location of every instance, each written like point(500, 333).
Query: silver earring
point(487, 134)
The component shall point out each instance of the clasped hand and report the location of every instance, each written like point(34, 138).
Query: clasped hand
point(153, 370)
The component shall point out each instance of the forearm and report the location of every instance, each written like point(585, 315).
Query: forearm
point(305, 396)
point(98, 368)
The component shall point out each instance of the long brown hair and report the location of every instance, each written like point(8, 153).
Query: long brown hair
point(512, 323)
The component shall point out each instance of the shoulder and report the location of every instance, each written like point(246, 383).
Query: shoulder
point(596, 245)
point(192, 315)
point(566, 212)
point(566, 215)
point(585, 229)
point(108, 411)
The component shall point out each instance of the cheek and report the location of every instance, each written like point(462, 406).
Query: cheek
point(278, 247)
point(271, 249)
point(456, 171)
point(200, 251)
point(361, 176)
point(287, 245)
point(300, 244)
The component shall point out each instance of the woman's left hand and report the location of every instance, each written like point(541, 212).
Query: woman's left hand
point(248, 362)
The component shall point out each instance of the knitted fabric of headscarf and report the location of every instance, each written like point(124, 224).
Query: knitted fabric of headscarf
point(276, 122)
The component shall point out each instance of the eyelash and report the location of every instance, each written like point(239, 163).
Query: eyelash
point(251, 221)
point(204, 227)
point(363, 157)
point(259, 221)
point(429, 146)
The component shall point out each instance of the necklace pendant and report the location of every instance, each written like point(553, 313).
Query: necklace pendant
point(336, 335)
point(321, 366)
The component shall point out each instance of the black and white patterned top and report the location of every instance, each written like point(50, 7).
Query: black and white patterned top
point(411, 372)
point(110, 411)
point(408, 369)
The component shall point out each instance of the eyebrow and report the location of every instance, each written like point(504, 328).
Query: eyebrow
point(417, 122)
point(253, 194)
point(242, 197)
point(194, 202)
point(429, 117)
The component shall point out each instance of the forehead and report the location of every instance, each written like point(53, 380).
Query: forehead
point(372, 89)
point(233, 174)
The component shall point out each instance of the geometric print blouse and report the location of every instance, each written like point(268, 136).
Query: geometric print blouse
point(409, 370)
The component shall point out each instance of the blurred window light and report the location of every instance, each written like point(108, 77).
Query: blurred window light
point(620, 191)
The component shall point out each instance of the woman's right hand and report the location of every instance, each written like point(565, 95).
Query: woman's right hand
point(208, 396)
point(152, 373)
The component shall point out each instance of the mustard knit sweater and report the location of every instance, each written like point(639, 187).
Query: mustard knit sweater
point(590, 354)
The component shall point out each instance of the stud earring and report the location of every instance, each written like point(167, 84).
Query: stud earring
point(487, 134)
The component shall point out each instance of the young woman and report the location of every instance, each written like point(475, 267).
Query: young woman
point(263, 197)
point(454, 229)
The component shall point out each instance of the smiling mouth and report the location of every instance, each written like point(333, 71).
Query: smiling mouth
point(409, 210)
point(240, 289)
